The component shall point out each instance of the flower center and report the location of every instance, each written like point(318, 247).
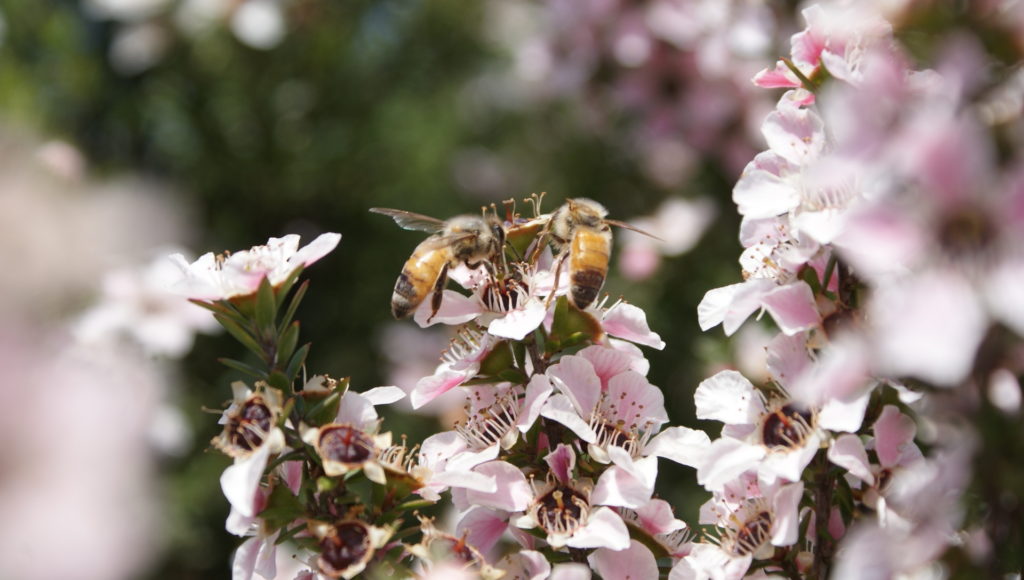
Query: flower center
point(504, 296)
point(345, 444)
point(248, 429)
point(561, 510)
point(966, 233)
point(752, 534)
point(348, 544)
point(788, 427)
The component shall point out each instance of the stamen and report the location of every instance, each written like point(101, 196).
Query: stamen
point(491, 424)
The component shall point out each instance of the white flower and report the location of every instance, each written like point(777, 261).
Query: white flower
point(239, 274)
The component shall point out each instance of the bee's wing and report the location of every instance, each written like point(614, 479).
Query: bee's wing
point(617, 223)
point(411, 221)
point(437, 242)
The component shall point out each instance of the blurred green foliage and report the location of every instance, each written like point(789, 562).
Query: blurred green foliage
point(362, 104)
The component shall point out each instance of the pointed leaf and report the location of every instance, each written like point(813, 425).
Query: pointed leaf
point(287, 342)
point(266, 307)
point(295, 364)
point(243, 368)
point(240, 334)
point(293, 305)
point(284, 287)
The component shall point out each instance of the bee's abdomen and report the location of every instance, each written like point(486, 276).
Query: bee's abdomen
point(588, 266)
point(416, 281)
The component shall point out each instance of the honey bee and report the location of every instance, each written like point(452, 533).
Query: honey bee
point(468, 239)
point(580, 233)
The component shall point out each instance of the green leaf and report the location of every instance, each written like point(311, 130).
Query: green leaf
point(240, 334)
point(293, 305)
point(279, 381)
point(513, 376)
point(571, 326)
point(287, 341)
point(323, 411)
point(244, 368)
point(499, 359)
point(295, 364)
point(282, 508)
point(284, 287)
point(266, 308)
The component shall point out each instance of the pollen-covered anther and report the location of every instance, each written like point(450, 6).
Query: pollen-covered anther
point(787, 427)
point(495, 423)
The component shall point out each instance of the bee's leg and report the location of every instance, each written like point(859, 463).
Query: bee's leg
point(554, 285)
point(438, 294)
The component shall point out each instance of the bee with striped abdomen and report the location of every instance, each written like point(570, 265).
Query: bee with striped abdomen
point(469, 239)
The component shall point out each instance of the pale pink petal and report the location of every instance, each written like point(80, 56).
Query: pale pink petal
point(355, 409)
point(484, 527)
point(725, 460)
point(384, 395)
point(526, 565)
point(604, 529)
point(787, 358)
point(894, 431)
point(1003, 294)
point(788, 465)
point(574, 376)
point(244, 563)
point(636, 401)
point(847, 451)
point(842, 415)
point(634, 563)
point(518, 323)
point(513, 492)
point(841, 372)
point(728, 397)
point(680, 444)
point(656, 517)
point(313, 251)
point(928, 327)
point(240, 481)
point(707, 561)
point(429, 388)
point(570, 571)
point(561, 462)
point(792, 307)
point(628, 322)
point(560, 408)
point(777, 78)
point(732, 305)
point(796, 134)
point(763, 191)
point(537, 392)
point(455, 309)
point(607, 362)
point(627, 483)
point(786, 510)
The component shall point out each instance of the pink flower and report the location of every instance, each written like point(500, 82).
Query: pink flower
point(240, 273)
point(250, 436)
point(623, 414)
point(564, 510)
point(459, 363)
